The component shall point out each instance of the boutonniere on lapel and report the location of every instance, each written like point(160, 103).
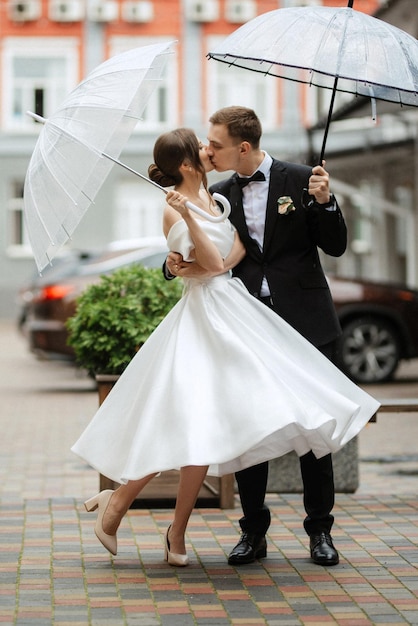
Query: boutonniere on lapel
point(285, 205)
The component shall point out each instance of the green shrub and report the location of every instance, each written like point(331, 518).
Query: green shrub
point(115, 317)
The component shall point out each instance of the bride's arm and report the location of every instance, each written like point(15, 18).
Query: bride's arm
point(236, 255)
point(205, 252)
point(177, 267)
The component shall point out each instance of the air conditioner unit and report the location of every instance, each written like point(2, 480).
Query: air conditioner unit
point(66, 10)
point(24, 11)
point(103, 11)
point(307, 3)
point(240, 11)
point(202, 10)
point(137, 11)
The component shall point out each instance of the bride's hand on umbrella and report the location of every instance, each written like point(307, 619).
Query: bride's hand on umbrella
point(319, 184)
point(178, 202)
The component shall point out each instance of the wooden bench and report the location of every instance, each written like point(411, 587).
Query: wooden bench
point(222, 489)
point(398, 405)
point(395, 405)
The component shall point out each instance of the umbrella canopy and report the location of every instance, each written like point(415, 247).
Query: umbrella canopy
point(67, 167)
point(336, 48)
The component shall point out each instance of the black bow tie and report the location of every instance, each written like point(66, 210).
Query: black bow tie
point(242, 182)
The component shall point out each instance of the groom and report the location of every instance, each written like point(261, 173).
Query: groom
point(281, 226)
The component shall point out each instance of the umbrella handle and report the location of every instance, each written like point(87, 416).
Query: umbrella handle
point(220, 218)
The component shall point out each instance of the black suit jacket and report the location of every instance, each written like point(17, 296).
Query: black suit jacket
point(290, 259)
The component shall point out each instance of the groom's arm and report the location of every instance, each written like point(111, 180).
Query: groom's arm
point(174, 260)
point(174, 264)
point(166, 272)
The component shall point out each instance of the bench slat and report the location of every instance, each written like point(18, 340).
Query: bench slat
point(395, 405)
point(398, 405)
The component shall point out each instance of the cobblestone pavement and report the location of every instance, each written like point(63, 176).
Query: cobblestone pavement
point(53, 570)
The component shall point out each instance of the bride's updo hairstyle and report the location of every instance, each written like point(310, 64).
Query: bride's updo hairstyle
point(171, 150)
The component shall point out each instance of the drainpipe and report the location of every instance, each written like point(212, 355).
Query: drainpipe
point(191, 69)
point(93, 43)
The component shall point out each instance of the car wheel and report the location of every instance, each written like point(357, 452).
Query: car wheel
point(369, 351)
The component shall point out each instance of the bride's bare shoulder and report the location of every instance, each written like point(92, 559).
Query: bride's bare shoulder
point(170, 217)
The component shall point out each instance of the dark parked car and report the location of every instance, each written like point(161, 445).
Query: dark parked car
point(380, 327)
point(379, 320)
point(47, 301)
point(64, 265)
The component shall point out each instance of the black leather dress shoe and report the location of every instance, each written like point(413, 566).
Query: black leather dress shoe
point(249, 548)
point(322, 550)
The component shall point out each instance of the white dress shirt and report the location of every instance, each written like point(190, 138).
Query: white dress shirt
point(254, 199)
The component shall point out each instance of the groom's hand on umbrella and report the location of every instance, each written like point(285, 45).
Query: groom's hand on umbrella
point(319, 184)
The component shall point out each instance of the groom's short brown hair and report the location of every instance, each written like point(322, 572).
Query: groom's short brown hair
point(242, 123)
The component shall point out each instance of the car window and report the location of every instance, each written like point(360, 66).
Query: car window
point(154, 260)
point(62, 267)
point(148, 258)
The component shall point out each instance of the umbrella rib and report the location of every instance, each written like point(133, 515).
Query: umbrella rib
point(46, 229)
point(392, 35)
point(235, 63)
point(57, 127)
point(42, 220)
point(102, 108)
point(67, 194)
point(57, 179)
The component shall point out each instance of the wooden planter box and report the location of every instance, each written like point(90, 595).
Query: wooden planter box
point(161, 491)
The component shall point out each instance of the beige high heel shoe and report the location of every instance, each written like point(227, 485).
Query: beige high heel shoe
point(180, 560)
point(101, 502)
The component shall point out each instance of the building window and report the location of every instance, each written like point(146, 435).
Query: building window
point(36, 79)
point(38, 86)
point(139, 209)
point(157, 113)
point(162, 109)
point(17, 239)
point(317, 101)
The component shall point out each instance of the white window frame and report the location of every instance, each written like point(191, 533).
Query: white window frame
point(227, 85)
point(17, 242)
point(52, 47)
point(139, 209)
point(168, 87)
point(317, 102)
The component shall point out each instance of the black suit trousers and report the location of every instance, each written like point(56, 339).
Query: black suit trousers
point(318, 488)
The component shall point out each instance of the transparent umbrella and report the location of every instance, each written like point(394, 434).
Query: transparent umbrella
point(334, 48)
point(81, 141)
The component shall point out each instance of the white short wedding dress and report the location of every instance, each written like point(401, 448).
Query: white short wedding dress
point(223, 381)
